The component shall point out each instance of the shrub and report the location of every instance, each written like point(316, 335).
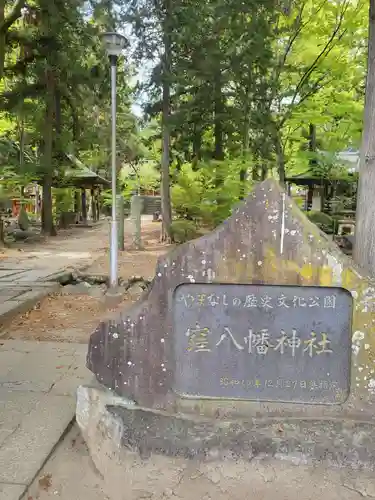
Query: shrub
point(183, 230)
point(207, 194)
point(322, 220)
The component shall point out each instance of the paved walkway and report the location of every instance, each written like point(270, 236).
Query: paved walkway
point(38, 383)
point(27, 276)
point(38, 380)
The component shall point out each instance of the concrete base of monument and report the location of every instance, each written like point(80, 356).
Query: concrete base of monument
point(114, 296)
point(124, 439)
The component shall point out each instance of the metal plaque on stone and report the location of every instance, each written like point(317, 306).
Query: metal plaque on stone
point(263, 342)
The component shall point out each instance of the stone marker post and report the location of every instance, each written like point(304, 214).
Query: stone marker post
point(256, 339)
point(136, 212)
point(121, 221)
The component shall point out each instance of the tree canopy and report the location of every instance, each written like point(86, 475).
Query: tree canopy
point(232, 91)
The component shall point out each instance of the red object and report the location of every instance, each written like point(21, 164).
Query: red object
point(16, 207)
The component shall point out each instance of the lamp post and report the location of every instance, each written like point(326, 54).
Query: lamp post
point(114, 44)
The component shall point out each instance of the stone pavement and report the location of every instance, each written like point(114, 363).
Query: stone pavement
point(38, 380)
point(38, 383)
point(28, 276)
point(73, 477)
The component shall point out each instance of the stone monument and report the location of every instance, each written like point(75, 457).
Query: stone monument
point(136, 207)
point(254, 340)
point(120, 214)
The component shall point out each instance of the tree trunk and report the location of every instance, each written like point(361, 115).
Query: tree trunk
point(197, 145)
point(309, 198)
point(280, 158)
point(263, 169)
point(218, 118)
point(2, 38)
point(166, 138)
point(47, 215)
point(255, 172)
point(93, 206)
point(364, 248)
point(84, 205)
point(22, 145)
point(243, 172)
point(2, 233)
point(312, 145)
point(218, 154)
point(77, 203)
point(98, 204)
point(312, 137)
point(245, 146)
point(57, 147)
point(5, 23)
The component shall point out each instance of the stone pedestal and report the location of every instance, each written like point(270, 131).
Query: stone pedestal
point(114, 296)
point(135, 213)
point(161, 455)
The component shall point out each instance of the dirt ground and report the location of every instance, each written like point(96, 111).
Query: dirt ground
point(71, 475)
point(72, 318)
point(65, 240)
point(136, 262)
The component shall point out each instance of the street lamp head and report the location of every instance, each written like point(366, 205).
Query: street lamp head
point(114, 43)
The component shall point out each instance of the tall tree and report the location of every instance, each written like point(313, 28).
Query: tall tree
point(302, 68)
point(219, 57)
point(59, 72)
point(364, 249)
point(9, 13)
point(167, 27)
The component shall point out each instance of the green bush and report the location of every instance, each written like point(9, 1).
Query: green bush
point(183, 230)
point(32, 216)
point(64, 200)
point(322, 220)
point(299, 201)
point(207, 193)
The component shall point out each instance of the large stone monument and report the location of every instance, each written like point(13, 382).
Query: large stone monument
point(255, 340)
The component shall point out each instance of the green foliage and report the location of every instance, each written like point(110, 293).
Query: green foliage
point(343, 202)
point(249, 78)
point(299, 201)
point(323, 165)
point(140, 176)
point(319, 83)
point(219, 54)
point(55, 95)
point(324, 221)
point(106, 198)
point(64, 199)
point(187, 193)
point(207, 194)
point(230, 90)
point(328, 167)
point(183, 230)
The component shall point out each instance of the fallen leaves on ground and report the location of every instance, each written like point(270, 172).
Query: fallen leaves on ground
point(59, 318)
point(72, 318)
point(135, 262)
point(45, 482)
